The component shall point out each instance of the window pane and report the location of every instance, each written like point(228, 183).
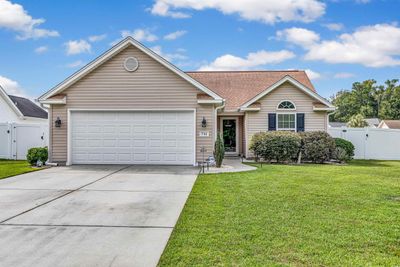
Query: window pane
point(287, 121)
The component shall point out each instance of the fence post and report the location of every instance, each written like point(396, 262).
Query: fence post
point(14, 141)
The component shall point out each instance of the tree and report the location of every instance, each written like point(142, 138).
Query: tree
point(219, 150)
point(357, 121)
point(368, 100)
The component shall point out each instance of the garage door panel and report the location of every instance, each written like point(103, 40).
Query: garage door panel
point(132, 137)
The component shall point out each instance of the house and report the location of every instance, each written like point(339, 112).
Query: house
point(131, 106)
point(334, 124)
point(16, 109)
point(372, 122)
point(389, 124)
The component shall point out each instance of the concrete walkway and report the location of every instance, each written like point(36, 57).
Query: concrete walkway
point(231, 165)
point(91, 215)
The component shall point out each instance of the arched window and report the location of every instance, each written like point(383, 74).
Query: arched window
point(286, 105)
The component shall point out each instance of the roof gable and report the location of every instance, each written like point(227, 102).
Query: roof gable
point(294, 82)
point(4, 95)
point(28, 108)
point(240, 87)
point(23, 107)
point(115, 50)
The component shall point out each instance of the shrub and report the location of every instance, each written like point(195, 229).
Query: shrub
point(317, 146)
point(280, 146)
point(340, 154)
point(219, 151)
point(37, 153)
point(346, 145)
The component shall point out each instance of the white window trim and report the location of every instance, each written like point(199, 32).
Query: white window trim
point(277, 107)
point(286, 129)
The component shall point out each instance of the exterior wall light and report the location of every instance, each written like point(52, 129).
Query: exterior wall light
point(57, 123)
point(204, 123)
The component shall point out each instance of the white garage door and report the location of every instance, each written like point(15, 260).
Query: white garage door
point(132, 137)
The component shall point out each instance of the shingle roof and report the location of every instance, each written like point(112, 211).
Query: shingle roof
point(28, 108)
point(392, 124)
point(238, 87)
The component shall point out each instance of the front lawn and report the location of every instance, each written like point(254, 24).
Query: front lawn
point(14, 167)
point(304, 215)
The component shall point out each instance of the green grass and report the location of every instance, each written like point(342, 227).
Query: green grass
point(14, 167)
point(318, 215)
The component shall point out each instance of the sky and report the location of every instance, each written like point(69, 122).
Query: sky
point(337, 42)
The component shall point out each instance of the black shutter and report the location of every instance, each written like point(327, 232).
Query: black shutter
point(300, 122)
point(271, 121)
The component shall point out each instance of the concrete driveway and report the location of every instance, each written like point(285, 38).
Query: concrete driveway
point(91, 215)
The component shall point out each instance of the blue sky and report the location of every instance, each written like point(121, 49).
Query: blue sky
point(339, 42)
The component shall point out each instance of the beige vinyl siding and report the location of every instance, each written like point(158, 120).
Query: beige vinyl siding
point(59, 135)
point(110, 86)
point(258, 121)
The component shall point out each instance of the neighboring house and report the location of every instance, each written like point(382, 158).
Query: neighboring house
point(334, 124)
point(16, 109)
point(131, 106)
point(389, 124)
point(372, 122)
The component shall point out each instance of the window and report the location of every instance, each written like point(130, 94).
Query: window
point(286, 122)
point(286, 105)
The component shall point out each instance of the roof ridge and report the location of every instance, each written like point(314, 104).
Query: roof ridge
point(233, 71)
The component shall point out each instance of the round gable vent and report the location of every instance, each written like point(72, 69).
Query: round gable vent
point(131, 64)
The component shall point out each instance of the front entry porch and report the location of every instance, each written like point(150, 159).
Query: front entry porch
point(231, 128)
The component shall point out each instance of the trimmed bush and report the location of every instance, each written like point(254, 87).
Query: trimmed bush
point(37, 153)
point(347, 146)
point(278, 145)
point(317, 146)
point(340, 154)
point(219, 151)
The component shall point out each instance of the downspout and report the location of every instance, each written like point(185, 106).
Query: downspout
point(329, 114)
point(216, 118)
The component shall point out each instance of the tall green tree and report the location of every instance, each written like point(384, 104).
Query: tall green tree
point(368, 100)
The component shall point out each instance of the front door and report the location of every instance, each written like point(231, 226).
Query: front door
point(230, 134)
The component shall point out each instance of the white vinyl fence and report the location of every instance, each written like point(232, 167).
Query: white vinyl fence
point(371, 143)
point(16, 139)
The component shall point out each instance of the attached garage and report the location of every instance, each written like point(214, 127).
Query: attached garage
point(132, 137)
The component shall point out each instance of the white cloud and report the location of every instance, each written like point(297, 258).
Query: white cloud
point(97, 38)
point(14, 17)
point(313, 75)
point(344, 75)
point(11, 87)
point(41, 49)
point(251, 61)
point(174, 35)
point(75, 64)
point(298, 36)
point(77, 47)
point(372, 46)
point(266, 11)
point(140, 35)
point(169, 56)
point(334, 26)
point(363, 1)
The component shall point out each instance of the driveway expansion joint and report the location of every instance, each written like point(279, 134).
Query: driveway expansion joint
point(90, 225)
point(63, 195)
